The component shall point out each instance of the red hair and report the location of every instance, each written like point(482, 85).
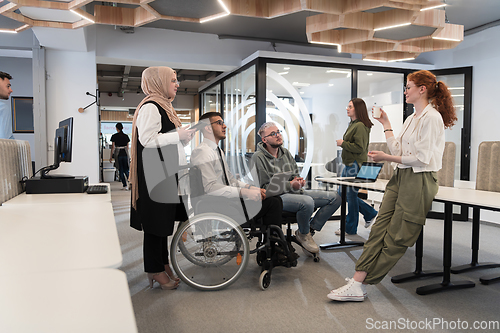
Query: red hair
point(438, 94)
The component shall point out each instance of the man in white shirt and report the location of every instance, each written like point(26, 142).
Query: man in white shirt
point(5, 114)
point(218, 182)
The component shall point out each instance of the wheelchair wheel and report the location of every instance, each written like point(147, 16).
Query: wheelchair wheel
point(265, 280)
point(209, 251)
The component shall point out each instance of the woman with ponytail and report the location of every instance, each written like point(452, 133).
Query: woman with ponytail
point(416, 155)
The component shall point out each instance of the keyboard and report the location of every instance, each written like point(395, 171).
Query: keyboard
point(97, 189)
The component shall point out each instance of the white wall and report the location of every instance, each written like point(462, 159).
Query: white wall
point(69, 76)
point(131, 100)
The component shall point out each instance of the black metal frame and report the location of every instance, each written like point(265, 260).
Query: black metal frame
point(260, 88)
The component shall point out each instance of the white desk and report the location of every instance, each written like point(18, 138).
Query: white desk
point(59, 198)
point(449, 196)
point(56, 237)
point(93, 300)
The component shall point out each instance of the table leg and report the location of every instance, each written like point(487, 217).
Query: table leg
point(475, 248)
point(418, 273)
point(342, 243)
point(446, 284)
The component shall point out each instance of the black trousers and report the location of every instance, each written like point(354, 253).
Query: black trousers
point(155, 253)
point(271, 211)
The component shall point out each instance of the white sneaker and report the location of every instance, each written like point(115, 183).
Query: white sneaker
point(307, 241)
point(352, 291)
point(337, 232)
point(370, 222)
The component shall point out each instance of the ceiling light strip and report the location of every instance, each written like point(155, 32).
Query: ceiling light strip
point(377, 60)
point(433, 7)
point(449, 39)
point(403, 59)
point(393, 26)
point(224, 6)
point(82, 16)
point(24, 27)
point(339, 47)
point(9, 31)
point(214, 17)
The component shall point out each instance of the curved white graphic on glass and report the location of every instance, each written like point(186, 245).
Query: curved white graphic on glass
point(286, 112)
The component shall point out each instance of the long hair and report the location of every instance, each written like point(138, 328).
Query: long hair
point(438, 95)
point(361, 111)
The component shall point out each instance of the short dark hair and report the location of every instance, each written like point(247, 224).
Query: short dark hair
point(211, 114)
point(4, 76)
point(119, 126)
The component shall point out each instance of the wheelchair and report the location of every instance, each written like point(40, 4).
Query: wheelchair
point(210, 251)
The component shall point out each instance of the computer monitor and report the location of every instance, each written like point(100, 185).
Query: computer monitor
point(63, 142)
point(64, 134)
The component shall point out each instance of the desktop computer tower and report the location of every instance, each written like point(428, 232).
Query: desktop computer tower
point(37, 185)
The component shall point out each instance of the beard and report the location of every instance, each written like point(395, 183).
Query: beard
point(276, 146)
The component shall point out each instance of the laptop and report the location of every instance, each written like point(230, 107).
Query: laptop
point(277, 184)
point(368, 173)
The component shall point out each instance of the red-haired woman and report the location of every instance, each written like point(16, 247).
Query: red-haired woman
point(417, 156)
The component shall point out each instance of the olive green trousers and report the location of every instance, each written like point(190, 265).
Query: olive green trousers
point(406, 202)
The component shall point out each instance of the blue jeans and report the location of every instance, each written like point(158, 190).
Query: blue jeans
point(305, 204)
point(354, 204)
point(123, 169)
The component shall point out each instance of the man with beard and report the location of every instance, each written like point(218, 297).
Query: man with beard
point(271, 158)
point(219, 183)
point(5, 115)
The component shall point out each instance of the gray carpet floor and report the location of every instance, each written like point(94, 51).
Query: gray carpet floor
point(296, 299)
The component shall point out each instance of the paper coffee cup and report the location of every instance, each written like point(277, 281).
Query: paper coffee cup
point(377, 112)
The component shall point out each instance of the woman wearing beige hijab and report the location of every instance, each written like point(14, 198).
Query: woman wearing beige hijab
point(157, 144)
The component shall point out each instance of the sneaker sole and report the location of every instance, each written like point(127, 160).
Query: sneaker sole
point(346, 298)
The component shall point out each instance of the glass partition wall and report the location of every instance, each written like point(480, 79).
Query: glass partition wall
point(307, 100)
point(309, 105)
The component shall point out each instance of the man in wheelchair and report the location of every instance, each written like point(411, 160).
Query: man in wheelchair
point(224, 194)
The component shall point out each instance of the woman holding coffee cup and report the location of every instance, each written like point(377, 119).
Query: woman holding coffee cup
point(354, 152)
point(417, 154)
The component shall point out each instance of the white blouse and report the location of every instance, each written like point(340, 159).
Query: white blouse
point(148, 128)
point(421, 142)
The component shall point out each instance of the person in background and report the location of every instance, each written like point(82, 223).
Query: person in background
point(271, 158)
point(157, 126)
point(416, 155)
point(5, 114)
point(120, 153)
point(354, 152)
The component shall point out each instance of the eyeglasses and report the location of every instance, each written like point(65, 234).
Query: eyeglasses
point(349, 107)
point(175, 81)
point(218, 122)
point(405, 88)
point(273, 134)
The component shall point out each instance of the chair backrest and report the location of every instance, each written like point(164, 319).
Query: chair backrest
point(446, 176)
point(15, 164)
point(387, 170)
point(488, 161)
point(195, 182)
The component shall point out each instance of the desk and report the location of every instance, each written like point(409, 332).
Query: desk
point(449, 196)
point(92, 300)
point(52, 237)
point(378, 186)
point(59, 198)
